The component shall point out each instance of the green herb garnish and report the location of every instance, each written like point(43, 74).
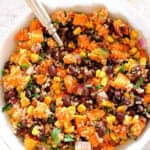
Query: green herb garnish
point(44, 139)
point(44, 45)
point(20, 125)
point(6, 107)
point(24, 66)
point(50, 119)
point(139, 83)
point(99, 86)
point(107, 131)
point(3, 73)
point(54, 148)
point(57, 21)
point(42, 55)
point(55, 135)
point(122, 68)
point(35, 95)
point(68, 138)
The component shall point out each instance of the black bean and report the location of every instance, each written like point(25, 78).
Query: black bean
point(101, 129)
point(75, 99)
point(96, 37)
point(131, 112)
point(72, 70)
point(52, 70)
point(126, 101)
point(86, 92)
point(53, 107)
point(109, 70)
point(93, 92)
point(117, 93)
point(47, 89)
point(120, 116)
point(83, 100)
point(66, 101)
point(41, 98)
point(9, 94)
point(28, 93)
point(140, 109)
point(90, 73)
point(137, 98)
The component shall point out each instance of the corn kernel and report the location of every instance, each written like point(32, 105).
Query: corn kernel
point(25, 102)
point(69, 129)
point(131, 63)
point(81, 108)
point(57, 79)
point(27, 78)
point(147, 89)
point(34, 58)
point(127, 120)
point(137, 55)
point(72, 109)
point(36, 130)
point(22, 94)
point(83, 54)
point(133, 34)
point(30, 110)
point(133, 51)
point(47, 100)
point(71, 45)
point(126, 40)
point(107, 103)
point(110, 119)
point(122, 108)
point(109, 39)
point(23, 51)
point(132, 43)
point(143, 61)
point(89, 24)
point(59, 101)
point(57, 124)
point(114, 137)
point(100, 74)
point(77, 31)
point(104, 81)
point(135, 119)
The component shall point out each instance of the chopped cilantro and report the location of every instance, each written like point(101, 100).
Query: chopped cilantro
point(68, 138)
point(3, 73)
point(57, 21)
point(98, 86)
point(44, 45)
point(55, 135)
point(122, 68)
point(24, 66)
point(35, 95)
point(6, 107)
point(107, 131)
point(139, 83)
point(50, 119)
point(20, 125)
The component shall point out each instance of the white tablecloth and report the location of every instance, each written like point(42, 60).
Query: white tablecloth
point(10, 10)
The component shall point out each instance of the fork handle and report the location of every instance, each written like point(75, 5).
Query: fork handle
point(44, 18)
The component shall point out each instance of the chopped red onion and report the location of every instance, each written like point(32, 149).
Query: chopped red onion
point(142, 43)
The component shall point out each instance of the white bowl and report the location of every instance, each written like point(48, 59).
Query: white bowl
point(117, 9)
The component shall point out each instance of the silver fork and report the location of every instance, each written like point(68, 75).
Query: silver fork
point(41, 13)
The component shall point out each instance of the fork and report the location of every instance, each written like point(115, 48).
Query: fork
point(41, 13)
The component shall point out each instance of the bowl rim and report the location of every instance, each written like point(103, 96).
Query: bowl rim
point(28, 15)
